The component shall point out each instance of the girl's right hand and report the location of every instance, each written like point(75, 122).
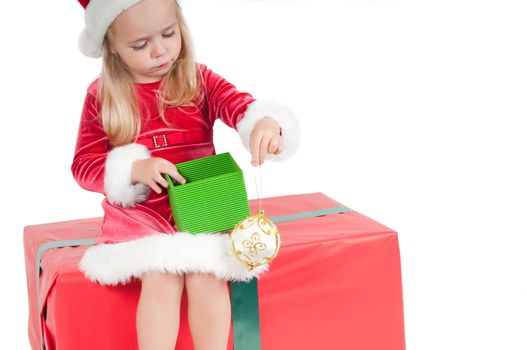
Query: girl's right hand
point(149, 172)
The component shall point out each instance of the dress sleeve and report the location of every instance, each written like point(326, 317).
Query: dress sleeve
point(224, 101)
point(239, 110)
point(99, 168)
point(91, 149)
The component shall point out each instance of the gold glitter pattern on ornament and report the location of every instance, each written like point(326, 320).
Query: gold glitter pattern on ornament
point(254, 245)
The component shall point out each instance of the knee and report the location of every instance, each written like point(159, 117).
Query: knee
point(201, 281)
point(162, 285)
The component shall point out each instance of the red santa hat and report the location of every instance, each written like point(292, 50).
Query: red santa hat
point(98, 16)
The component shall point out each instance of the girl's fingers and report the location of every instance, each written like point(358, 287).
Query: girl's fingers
point(177, 176)
point(274, 145)
point(263, 143)
point(155, 187)
point(256, 140)
point(171, 170)
point(160, 180)
point(280, 145)
point(264, 146)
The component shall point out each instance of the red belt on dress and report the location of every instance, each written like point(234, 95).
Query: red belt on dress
point(176, 138)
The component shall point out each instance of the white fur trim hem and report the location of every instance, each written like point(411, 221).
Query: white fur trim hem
point(282, 115)
point(118, 175)
point(179, 253)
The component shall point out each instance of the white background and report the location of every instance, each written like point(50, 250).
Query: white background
point(412, 113)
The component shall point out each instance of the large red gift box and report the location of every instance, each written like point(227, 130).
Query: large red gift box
point(336, 284)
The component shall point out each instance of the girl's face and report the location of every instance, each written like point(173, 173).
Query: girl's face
point(147, 39)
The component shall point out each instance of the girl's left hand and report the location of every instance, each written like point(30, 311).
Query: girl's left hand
point(265, 138)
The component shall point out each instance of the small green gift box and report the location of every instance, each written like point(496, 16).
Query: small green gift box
point(214, 198)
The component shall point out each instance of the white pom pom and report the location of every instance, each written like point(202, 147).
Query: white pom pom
point(87, 45)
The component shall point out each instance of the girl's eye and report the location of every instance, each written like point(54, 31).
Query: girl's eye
point(137, 48)
point(165, 35)
point(168, 35)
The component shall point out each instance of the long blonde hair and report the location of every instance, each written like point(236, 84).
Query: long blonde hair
point(120, 110)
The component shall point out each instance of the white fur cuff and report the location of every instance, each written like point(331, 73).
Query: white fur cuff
point(282, 115)
point(118, 175)
point(179, 253)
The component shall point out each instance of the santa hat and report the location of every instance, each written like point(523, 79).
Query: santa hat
point(98, 16)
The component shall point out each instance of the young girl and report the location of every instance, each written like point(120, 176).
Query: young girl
point(151, 107)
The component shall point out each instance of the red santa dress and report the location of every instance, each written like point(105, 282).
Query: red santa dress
point(138, 233)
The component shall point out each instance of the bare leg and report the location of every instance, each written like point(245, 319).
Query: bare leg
point(209, 311)
point(158, 309)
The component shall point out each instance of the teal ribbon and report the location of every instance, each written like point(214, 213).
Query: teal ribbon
point(40, 252)
point(244, 295)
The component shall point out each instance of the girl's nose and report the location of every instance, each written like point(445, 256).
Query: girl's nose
point(159, 48)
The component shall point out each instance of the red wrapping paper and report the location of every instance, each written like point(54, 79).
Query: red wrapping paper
point(335, 284)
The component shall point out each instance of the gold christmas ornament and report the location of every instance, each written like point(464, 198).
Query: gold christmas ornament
point(255, 240)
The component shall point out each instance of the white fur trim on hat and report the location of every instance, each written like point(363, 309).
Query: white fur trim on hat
point(118, 175)
point(179, 253)
point(98, 16)
point(282, 115)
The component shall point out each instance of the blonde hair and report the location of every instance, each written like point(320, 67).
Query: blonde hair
point(120, 111)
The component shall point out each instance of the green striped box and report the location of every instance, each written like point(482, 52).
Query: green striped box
point(214, 198)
